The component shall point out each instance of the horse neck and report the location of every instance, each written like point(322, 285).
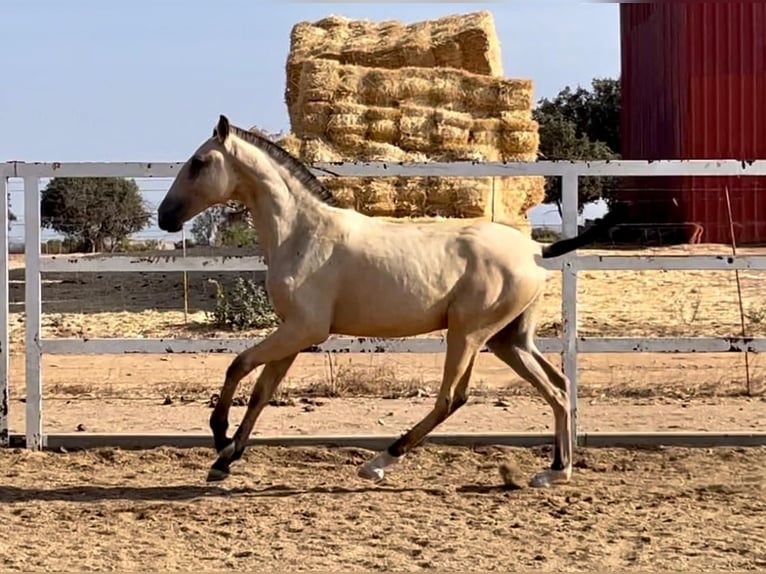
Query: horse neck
point(280, 205)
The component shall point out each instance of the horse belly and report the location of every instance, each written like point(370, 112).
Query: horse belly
point(390, 308)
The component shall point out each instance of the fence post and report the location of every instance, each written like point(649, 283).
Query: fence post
point(5, 350)
point(569, 292)
point(32, 312)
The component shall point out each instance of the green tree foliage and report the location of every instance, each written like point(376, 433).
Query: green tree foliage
point(581, 124)
point(96, 213)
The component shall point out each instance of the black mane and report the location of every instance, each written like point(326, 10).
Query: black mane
point(296, 166)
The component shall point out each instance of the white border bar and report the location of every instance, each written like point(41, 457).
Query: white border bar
point(169, 263)
point(618, 168)
point(4, 315)
point(33, 313)
point(163, 264)
point(425, 345)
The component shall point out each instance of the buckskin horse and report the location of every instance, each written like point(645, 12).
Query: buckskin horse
point(334, 271)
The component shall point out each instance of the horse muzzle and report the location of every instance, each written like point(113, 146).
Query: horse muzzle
point(169, 217)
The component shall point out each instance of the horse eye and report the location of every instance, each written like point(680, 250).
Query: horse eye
point(197, 163)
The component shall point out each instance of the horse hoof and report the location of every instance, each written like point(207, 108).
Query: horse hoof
point(548, 478)
point(368, 473)
point(217, 475)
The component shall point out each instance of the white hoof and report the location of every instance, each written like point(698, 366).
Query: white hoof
point(550, 477)
point(376, 468)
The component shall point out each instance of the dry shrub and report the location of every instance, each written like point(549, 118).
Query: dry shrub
point(378, 381)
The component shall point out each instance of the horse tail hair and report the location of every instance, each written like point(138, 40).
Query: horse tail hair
point(616, 215)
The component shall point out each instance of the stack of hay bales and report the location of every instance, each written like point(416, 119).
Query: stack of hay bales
point(429, 91)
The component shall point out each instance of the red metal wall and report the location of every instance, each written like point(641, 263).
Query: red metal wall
point(694, 87)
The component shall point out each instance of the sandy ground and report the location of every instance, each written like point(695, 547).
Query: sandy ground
point(374, 394)
point(444, 509)
point(304, 509)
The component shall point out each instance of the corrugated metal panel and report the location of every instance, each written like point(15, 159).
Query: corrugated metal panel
point(694, 86)
point(727, 72)
point(651, 97)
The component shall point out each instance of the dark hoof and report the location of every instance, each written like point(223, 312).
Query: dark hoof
point(219, 471)
point(217, 475)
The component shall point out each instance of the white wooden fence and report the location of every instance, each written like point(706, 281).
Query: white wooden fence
point(570, 344)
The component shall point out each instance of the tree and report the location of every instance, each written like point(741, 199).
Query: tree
point(581, 125)
point(93, 211)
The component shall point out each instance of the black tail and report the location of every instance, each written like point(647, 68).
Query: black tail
point(616, 215)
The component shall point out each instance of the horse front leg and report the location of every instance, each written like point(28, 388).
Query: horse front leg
point(272, 375)
point(287, 341)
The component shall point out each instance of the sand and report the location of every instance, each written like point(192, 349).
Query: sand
point(444, 509)
point(657, 509)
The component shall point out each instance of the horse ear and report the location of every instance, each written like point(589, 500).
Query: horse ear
point(221, 131)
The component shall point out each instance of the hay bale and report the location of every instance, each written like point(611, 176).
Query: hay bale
point(313, 120)
point(451, 129)
point(291, 143)
point(518, 137)
point(376, 197)
point(415, 127)
point(377, 151)
point(502, 199)
point(465, 41)
point(454, 90)
point(383, 124)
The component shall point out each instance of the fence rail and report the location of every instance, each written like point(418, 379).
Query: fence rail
point(569, 345)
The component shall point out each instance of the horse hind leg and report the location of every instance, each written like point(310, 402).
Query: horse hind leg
point(515, 346)
point(458, 365)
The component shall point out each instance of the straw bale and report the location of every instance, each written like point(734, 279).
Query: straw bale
point(377, 151)
point(415, 127)
point(376, 197)
point(347, 119)
point(317, 81)
point(451, 128)
point(465, 41)
point(291, 144)
point(383, 124)
point(343, 191)
point(456, 90)
point(485, 132)
point(314, 150)
point(411, 197)
point(313, 120)
point(515, 143)
point(502, 199)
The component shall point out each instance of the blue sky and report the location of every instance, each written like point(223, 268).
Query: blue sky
point(116, 80)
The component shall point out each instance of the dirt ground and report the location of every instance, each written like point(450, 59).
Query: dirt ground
point(444, 509)
point(304, 509)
